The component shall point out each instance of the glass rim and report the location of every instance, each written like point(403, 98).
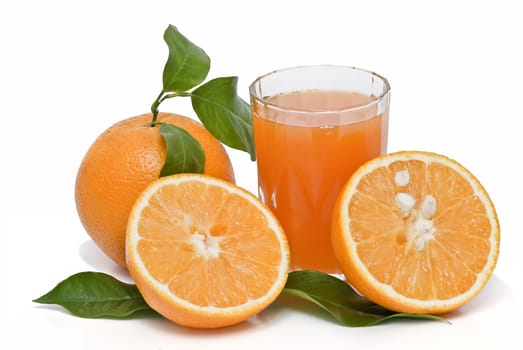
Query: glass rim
point(276, 106)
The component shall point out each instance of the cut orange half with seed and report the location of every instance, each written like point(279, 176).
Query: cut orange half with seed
point(416, 232)
point(203, 252)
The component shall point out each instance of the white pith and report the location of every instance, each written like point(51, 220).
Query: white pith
point(420, 230)
point(420, 227)
point(206, 245)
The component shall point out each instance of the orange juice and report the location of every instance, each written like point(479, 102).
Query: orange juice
point(306, 150)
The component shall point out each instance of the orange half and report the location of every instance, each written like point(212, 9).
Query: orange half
point(416, 232)
point(205, 253)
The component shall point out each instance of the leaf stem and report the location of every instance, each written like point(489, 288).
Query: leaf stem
point(154, 107)
point(162, 97)
point(175, 94)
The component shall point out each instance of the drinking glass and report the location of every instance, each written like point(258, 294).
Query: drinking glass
point(313, 127)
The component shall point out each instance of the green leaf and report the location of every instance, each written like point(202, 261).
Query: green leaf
point(184, 153)
point(95, 294)
point(224, 113)
point(340, 300)
point(187, 64)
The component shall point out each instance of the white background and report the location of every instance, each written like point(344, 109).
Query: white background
point(69, 69)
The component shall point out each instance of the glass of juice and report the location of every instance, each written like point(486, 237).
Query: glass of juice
point(313, 127)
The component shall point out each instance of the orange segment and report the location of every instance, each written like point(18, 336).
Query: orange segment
point(205, 253)
point(416, 232)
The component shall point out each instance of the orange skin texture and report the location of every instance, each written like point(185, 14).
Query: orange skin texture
point(118, 166)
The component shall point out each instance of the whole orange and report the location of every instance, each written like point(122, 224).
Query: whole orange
point(120, 164)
